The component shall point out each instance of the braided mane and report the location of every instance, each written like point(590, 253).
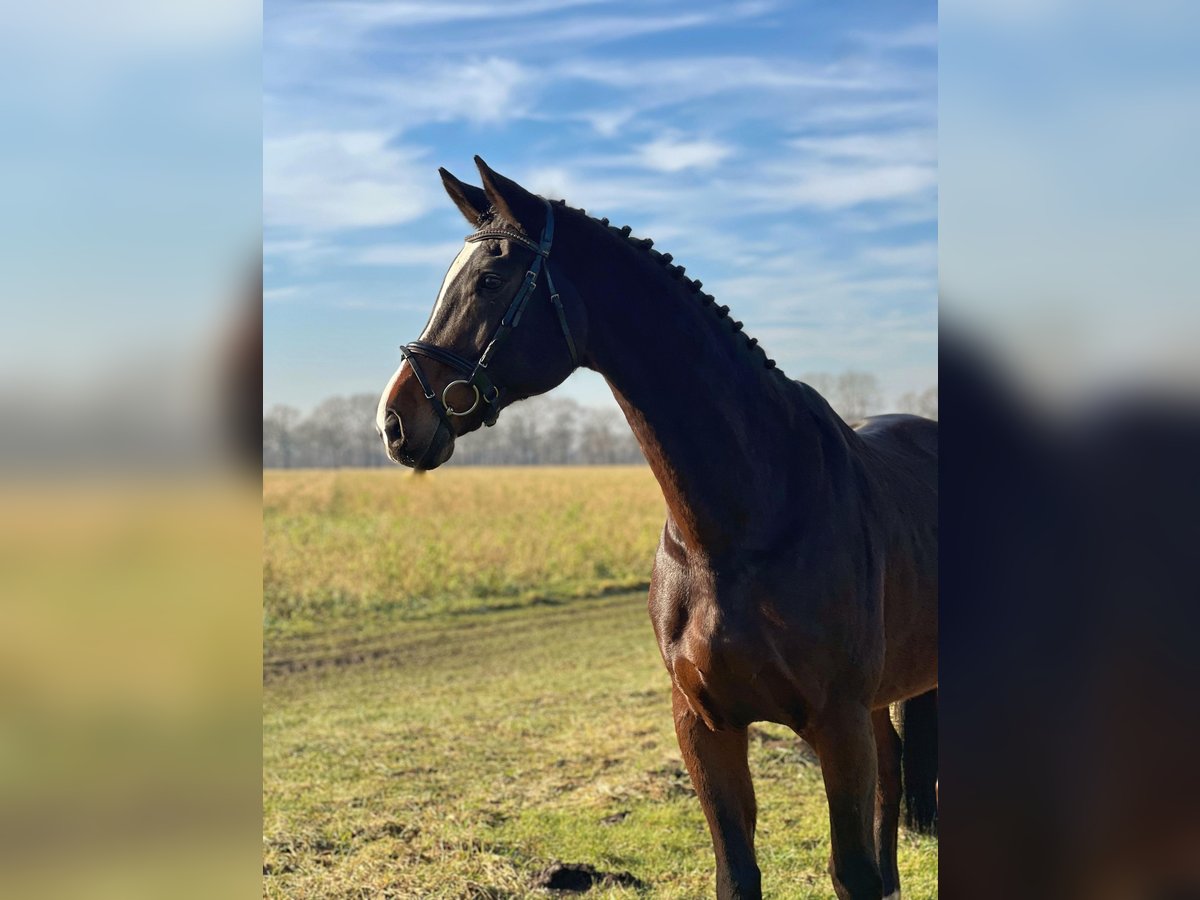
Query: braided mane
point(709, 302)
point(490, 217)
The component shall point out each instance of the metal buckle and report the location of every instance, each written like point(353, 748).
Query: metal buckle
point(450, 410)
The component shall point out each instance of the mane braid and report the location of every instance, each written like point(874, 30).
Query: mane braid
point(625, 232)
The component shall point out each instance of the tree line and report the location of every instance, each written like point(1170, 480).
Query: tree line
point(546, 430)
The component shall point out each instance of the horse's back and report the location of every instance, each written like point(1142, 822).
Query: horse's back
point(901, 438)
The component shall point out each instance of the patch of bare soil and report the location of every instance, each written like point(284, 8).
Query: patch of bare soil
point(577, 878)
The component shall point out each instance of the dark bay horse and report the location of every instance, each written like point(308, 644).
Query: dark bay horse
point(796, 578)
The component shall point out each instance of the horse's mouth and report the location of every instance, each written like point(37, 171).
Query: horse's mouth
point(440, 449)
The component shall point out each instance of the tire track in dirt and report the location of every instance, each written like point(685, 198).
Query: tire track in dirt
point(464, 637)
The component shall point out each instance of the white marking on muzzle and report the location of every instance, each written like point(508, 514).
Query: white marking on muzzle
point(894, 895)
point(382, 409)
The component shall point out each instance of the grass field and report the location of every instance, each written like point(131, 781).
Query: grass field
point(385, 545)
point(430, 737)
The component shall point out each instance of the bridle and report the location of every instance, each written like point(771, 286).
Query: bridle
point(477, 377)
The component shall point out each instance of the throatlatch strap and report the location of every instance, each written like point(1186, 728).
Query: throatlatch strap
point(562, 317)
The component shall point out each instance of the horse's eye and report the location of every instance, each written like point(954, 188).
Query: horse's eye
point(491, 282)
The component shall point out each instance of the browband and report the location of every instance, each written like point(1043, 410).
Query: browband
point(503, 234)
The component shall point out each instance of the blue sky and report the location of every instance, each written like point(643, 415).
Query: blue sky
point(785, 153)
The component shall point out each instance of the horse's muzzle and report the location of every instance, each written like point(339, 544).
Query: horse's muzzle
point(401, 450)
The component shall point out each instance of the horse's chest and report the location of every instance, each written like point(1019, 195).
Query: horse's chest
point(728, 651)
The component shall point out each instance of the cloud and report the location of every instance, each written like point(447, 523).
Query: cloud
point(594, 30)
point(667, 154)
point(483, 91)
point(344, 25)
point(838, 172)
point(918, 257)
point(607, 194)
point(607, 122)
point(829, 187)
point(279, 294)
point(727, 91)
point(435, 255)
point(848, 110)
point(815, 314)
point(297, 248)
point(912, 146)
point(328, 181)
point(920, 36)
point(700, 76)
point(832, 189)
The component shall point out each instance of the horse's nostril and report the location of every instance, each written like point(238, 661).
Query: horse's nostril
point(392, 429)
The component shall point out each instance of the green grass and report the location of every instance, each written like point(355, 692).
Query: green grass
point(455, 749)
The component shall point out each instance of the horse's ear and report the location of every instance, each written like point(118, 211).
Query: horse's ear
point(471, 201)
point(512, 202)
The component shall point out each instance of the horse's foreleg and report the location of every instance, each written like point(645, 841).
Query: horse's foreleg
point(845, 742)
point(887, 800)
point(720, 772)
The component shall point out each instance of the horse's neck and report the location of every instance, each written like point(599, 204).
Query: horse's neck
point(736, 447)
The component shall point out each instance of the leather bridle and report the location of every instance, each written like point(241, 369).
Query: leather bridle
point(477, 377)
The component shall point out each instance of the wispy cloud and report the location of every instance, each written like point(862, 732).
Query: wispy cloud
point(840, 171)
point(921, 36)
point(828, 187)
point(336, 25)
point(280, 293)
point(407, 254)
point(595, 30)
point(912, 146)
point(326, 181)
point(673, 154)
point(918, 257)
point(479, 90)
point(697, 76)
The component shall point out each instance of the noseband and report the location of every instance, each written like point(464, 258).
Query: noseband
point(477, 378)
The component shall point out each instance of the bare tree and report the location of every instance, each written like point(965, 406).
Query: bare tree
point(923, 404)
point(598, 436)
point(362, 442)
point(929, 402)
point(340, 431)
point(853, 394)
point(279, 425)
point(857, 395)
point(557, 444)
point(823, 383)
point(606, 439)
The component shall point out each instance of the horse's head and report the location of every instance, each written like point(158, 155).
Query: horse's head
point(506, 325)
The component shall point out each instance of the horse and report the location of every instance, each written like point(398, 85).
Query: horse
point(795, 580)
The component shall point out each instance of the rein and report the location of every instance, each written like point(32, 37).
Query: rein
point(477, 377)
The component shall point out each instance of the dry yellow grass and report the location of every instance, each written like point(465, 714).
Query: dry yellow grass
point(348, 544)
